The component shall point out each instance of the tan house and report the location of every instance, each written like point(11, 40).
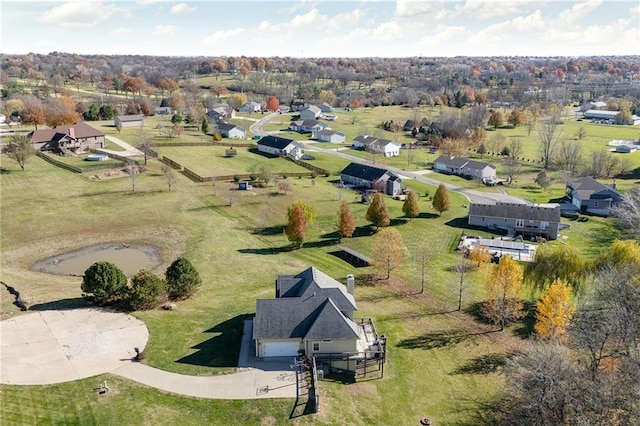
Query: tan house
point(136, 120)
point(77, 138)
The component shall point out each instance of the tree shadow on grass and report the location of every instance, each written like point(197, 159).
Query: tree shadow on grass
point(525, 328)
point(268, 250)
point(60, 305)
point(221, 350)
point(484, 364)
point(438, 339)
point(270, 230)
point(426, 215)
point(398, 221)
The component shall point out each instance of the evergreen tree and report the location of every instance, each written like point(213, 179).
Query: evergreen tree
point(103, 282)
point(183, 280)
point(204, 127)
point(147, 291)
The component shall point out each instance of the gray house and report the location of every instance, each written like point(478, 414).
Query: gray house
point(539, 220)
point(465, 167)
point(328, 135)
point(361, 175)
point(591, 196)
point(312, 312)
point(231, 131)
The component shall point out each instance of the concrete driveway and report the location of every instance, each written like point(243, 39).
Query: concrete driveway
point(61, 346)
point(128, 150)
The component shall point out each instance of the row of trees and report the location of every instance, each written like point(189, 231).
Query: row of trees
point(300, 214)
point(104, 283)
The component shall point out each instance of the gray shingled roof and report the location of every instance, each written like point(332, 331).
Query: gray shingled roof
point(313, 281)
point(459, 162)
point(588, 188)
point(516, 211)
point(276, 142)
point(365, 172)
point(81, 130)
point(312, 318)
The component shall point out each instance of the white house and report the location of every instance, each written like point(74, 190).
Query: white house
point(325, 107)
point(250, 107)
point(329, 135)
point(308, 126)
point(275, 145)
point(231, 131)
point(378, 145)
point(609, 116)
point(464, 167)
point(310, 113)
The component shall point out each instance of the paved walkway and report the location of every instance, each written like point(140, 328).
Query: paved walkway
point(61, 346)
point(129, 151)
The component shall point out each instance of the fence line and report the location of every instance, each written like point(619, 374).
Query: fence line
point(75, 169)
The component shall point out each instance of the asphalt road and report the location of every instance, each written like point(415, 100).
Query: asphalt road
point(472, 195)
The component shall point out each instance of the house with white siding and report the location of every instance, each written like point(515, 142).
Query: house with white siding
point(283, 147)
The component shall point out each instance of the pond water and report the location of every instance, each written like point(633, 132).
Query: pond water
point(130, 258)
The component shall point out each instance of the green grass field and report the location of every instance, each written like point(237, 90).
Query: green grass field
point(441, 363)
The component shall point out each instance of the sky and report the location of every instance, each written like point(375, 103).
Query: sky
point(323, 28)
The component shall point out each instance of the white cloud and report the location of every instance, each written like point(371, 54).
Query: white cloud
point(577, 12)
point(121, 31)
point(308, 19)
point(79, 14)
point(223, 36)
point(483, 9)
point(635, 11)
point(520, 26)
point(162, 30)
point(182, 9)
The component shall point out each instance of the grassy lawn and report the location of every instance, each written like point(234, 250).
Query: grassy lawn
point(441, 363)
point(208, 161)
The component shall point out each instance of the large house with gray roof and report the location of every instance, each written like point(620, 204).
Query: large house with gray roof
point(363, 176)
point(312, 314)
point(283, 147)
point(539, 220)
point(592, 197)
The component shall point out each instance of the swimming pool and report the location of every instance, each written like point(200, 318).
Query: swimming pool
point(97, 157)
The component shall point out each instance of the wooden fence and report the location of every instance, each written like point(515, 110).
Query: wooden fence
point(75, 169)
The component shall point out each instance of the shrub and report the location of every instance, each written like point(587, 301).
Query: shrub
point(103, 282)
point(147, 291)
point(183, 280)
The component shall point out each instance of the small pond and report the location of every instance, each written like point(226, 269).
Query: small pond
point(130, 258)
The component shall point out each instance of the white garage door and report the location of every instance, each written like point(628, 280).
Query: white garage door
point(272, 349)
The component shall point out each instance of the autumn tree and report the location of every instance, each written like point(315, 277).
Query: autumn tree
point(388, 252)
point(516, 117)
point(620, 252)
point(377, 212)
point(495, 118)
point(272, 104)
point(204, 126)
point(503, 291)
point(553, 262)
point(410, 206)
point(346, 220)
point(61, 111)
point(480, 254)
point(478, 136)
point(19, 149)
point(440, 200)
point(236, 100)
point(167, 84)
point(309, 210)
point(554, 311)
point(542, 179)
point(145, 144)
point(296, 226)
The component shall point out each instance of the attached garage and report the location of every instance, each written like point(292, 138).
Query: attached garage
point(274, 349)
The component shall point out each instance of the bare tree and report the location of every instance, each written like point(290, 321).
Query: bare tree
point(628, 211)
point(515, 148)
point(145, 144)
point(462, 268)
point(549, 136)
point(570, 157)
point(598, 163)
point(512, 168)
point(169, 175)
point(132, 170)
point(19, 149)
